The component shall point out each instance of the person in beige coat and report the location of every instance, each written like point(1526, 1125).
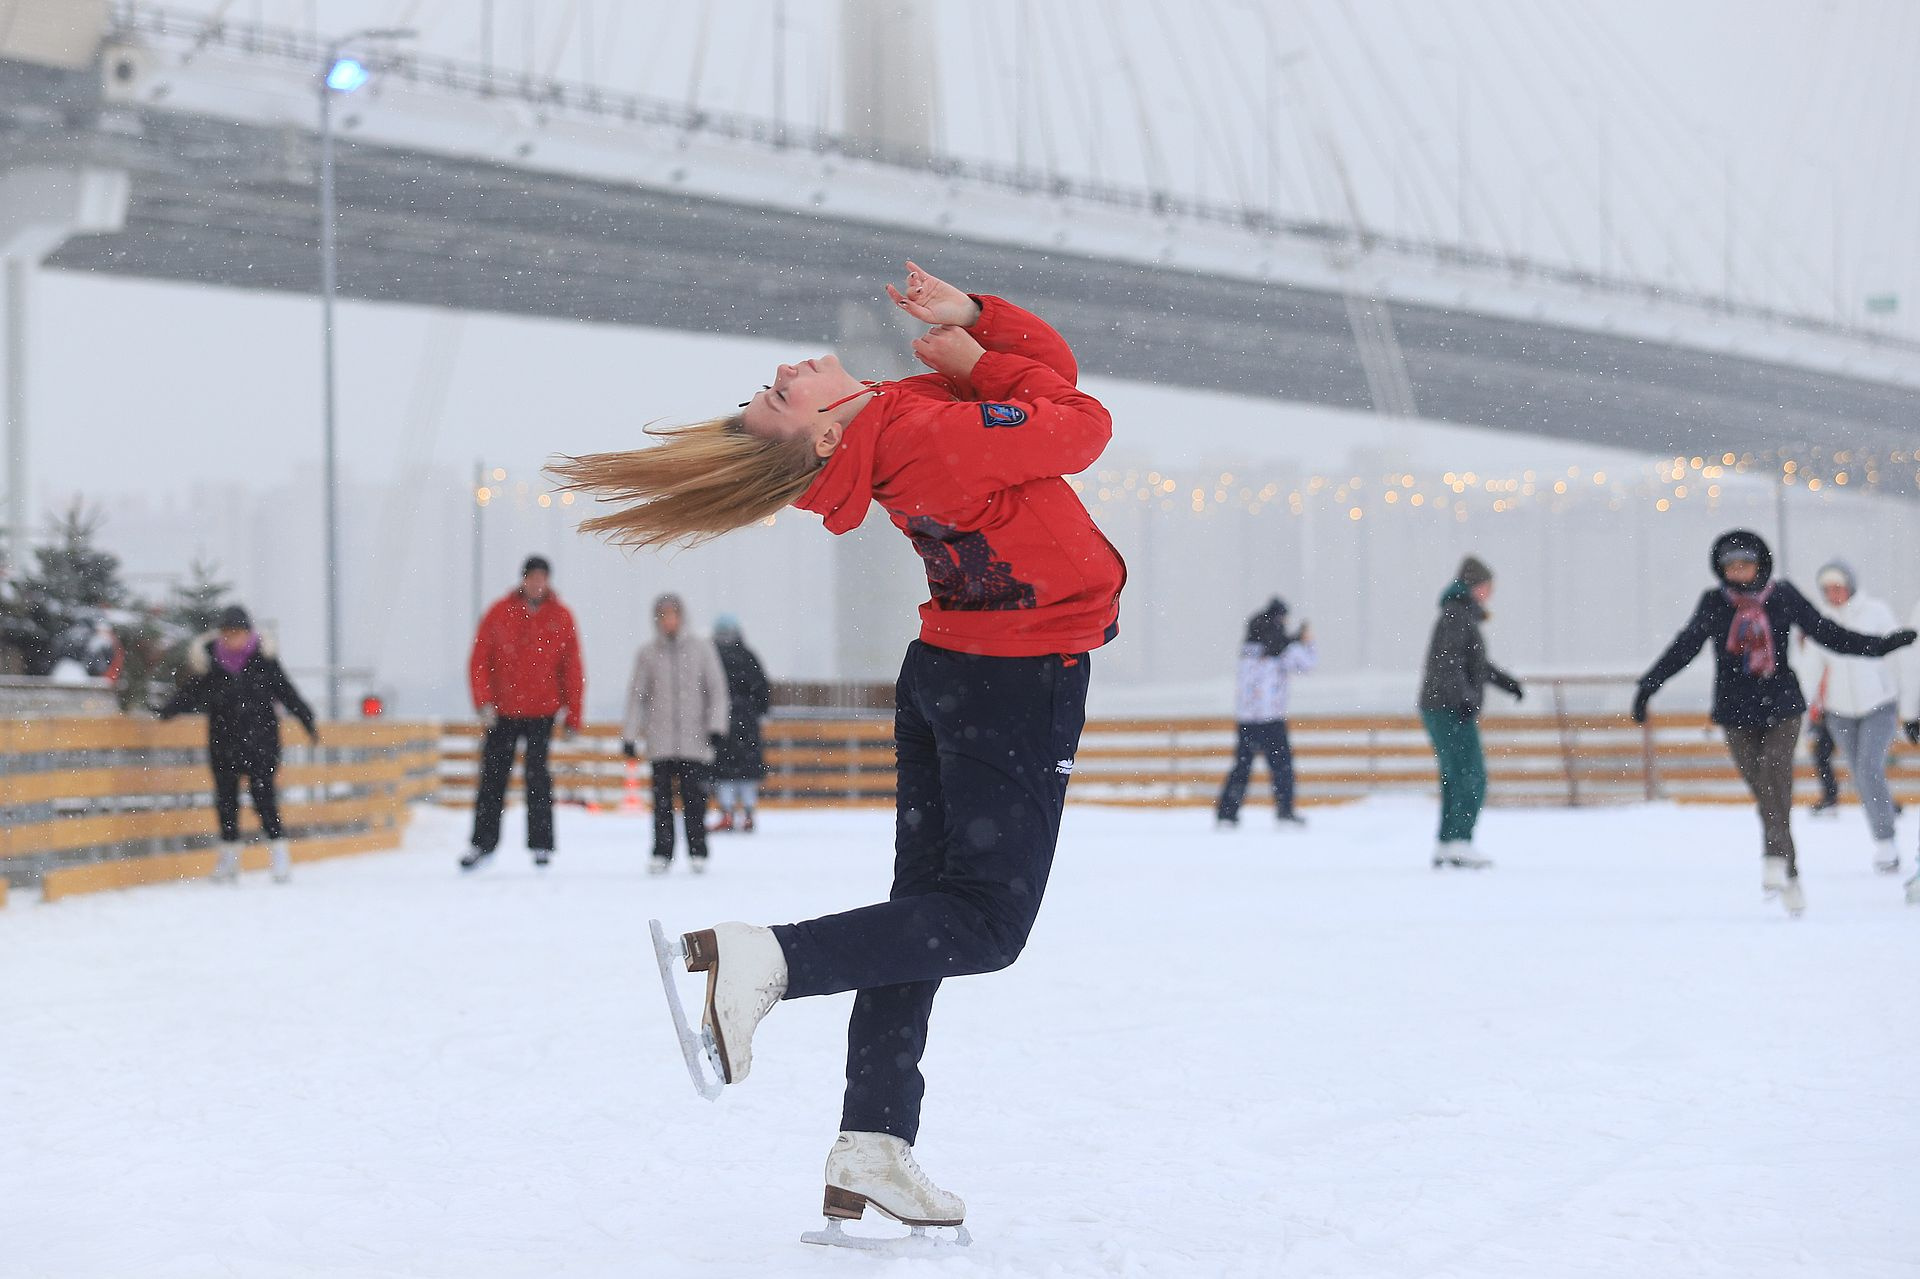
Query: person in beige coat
point(676, 712)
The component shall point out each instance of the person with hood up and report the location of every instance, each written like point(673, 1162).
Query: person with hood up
point(739, 762)
point(1453, 690)
point(524, 670)
point(969, 462)
point(1859, 703)
point(677, 708)
point(236, 681)
point(1269, 658)
point(1756, 698)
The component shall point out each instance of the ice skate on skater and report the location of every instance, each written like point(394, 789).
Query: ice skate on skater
point(1757, 700)
point(878, 1170)
point(1458, 853)
point(280, 859)
point(969, 462)
point(1913, 890)
point(226, 865)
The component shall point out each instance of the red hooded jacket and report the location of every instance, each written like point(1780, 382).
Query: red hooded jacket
point(526, 661)
point(972, 473)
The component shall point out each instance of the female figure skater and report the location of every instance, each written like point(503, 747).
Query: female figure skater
point(968, 462)
point(1756, 698)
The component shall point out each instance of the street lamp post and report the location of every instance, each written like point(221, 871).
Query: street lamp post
point(339, 74)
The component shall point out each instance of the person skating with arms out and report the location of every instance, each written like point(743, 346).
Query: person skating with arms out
point(1756, 698)
point(967, 462)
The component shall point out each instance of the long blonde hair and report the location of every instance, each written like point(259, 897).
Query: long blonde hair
point(702, 480)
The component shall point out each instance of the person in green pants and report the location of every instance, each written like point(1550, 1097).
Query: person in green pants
point(1452, 690)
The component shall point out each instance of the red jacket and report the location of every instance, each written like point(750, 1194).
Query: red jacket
point(526, 661)
point(973, 475)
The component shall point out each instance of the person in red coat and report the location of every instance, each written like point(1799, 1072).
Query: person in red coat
point(525, 670)
point(969, 463)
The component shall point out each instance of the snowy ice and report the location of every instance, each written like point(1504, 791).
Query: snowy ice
point(1222, 1055)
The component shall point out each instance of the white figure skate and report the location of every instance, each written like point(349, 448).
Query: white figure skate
point(746, 975)
point(1458, 852)
point(875, 1168)
point(226, 867)
point(1886, 857)
point(282, 861)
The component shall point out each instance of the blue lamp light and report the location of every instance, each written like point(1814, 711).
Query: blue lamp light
point(346, 75)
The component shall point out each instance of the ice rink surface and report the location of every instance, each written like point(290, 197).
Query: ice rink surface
point(1222, 1055)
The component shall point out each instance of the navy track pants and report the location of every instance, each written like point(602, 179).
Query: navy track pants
point(985, 746)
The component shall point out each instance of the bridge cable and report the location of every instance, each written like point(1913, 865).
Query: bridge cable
point(1212, 139)
point(1153, 160)
point(1408, 120)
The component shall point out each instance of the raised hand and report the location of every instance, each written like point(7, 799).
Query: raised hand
point(948, 349)
point(931, 300)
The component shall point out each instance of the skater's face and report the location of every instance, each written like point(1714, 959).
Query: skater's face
point(794, 404)
point(668, 620)
point(534, 585)
point(1482, 591)
point(235, 637)
point(1836, 593)
point(1740, 572)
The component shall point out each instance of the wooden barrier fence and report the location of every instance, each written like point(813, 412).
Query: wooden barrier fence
point(1558, 759)
point(90, 804)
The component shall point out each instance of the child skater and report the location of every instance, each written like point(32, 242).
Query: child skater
point(968, 462)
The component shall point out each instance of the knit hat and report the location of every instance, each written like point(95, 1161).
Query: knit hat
point(669, 601)
point(234, 618)
point(535, 564)
point(1474, 571)
point(727, 625)
point(1837, 573)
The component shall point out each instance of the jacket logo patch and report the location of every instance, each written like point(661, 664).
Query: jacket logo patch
point(992, 415)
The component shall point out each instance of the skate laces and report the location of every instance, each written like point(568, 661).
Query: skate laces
point(915, 1174)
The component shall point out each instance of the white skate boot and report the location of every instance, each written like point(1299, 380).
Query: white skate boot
point(1886, 857)
point(1458, 852)
point(877, 1168)
point(226, 867)
point(1793, 898)
point(1773, 876)
point(1913, 890)
point(659, 865)
point(746, 975)
point(282, 861)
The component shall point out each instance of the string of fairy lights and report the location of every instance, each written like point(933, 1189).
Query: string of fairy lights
point(1663, 485)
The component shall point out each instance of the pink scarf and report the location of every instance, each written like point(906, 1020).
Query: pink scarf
point(233, 659)
point(1752, 632)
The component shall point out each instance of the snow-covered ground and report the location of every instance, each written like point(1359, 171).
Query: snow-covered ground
point(1240, 1055)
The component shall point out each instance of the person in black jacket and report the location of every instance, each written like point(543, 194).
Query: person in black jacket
point(236, 683)
point(1453, 689)
point(739, 762)
point(1756, 697)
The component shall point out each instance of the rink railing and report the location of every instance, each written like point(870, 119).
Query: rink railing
point(110, 802)
point(1557, 758)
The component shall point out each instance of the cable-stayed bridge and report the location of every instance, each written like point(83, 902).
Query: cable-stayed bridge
point(184, 149)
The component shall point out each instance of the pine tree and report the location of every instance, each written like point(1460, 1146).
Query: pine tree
point(73, 582)
point(197, 602)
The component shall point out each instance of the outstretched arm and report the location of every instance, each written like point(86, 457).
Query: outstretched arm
point(1685, 647)
point(1829, 634)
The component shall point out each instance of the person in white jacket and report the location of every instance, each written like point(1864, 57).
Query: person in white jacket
point(1269, 658)
point(1860, 705)
point(677, 711)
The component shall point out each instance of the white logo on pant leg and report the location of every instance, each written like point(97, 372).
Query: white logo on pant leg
point(1064, 768)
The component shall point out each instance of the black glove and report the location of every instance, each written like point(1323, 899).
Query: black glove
point(717, 741)
point(628, 749)
point(1519, 691)
point(1913, 731)
point(1640, 700)
point(1897, 641)
point(313, 734)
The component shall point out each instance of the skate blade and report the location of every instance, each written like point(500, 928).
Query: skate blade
point(916, 1243)
point(698, 1049)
